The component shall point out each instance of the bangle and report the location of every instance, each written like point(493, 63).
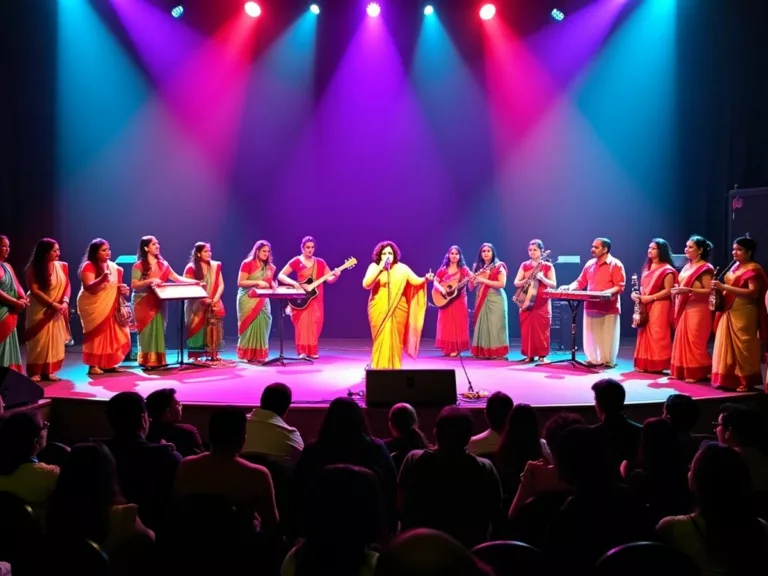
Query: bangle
point(66, 300)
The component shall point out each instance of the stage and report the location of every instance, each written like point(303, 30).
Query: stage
point(341, 369)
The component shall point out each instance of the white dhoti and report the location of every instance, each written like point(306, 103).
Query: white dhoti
point(601, 337)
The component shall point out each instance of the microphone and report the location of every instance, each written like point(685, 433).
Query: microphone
point(387, 263)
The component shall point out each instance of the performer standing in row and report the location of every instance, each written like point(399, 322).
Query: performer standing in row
point(738, 348)
point(691, 360)
point(396, 306)
point(254, 313)
point(452, 319)
point(151, 313)
point(602, 330)
point(536, 312)
point(203, 268)
point(47, 323)
point(12, 301)
point(490, 339)
point(653, 349)
point(106, 342)
point(308, 323)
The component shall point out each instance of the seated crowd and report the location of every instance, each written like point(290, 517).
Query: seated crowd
point(154, 498)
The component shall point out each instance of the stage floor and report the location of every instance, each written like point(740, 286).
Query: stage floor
point(341, 368)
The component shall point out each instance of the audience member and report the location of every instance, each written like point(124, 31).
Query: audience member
point(683, 413)
point(620, 435)
point(742, 428)
point(145, 470)
point(165, 424)
point(520, 444)
point(222, 472)
point(267, 434)
point(428, 553)
point(406, 436)
point(660, 477)
point(447, 488)
point(87, 503)
point(344, 520)
point(723, 535)
point(497, 410)
point(22, 436)
point(344, 439)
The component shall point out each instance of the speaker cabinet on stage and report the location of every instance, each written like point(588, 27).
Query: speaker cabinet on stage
point(385, 388)
point(747, 210)
point(18, 390)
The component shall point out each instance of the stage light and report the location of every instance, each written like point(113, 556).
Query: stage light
point(487, 12)
point(252, 9)
point(557, 15)
point(177, 11)
point(315, 9)
point(428, 10)
point(373, 9)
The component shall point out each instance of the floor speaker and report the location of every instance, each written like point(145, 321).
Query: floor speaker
point(18, 390)
point(385, 388)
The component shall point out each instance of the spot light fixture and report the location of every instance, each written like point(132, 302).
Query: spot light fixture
point(488, 11)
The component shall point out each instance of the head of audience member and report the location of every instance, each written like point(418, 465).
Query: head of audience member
point(521, 442)
point(404, 423)
point(497, 411)
point(424, 552)
point(609, 398)
point(740, 426)
point(276, 398)
point(721, 485)
point(582, 460)
point(345, 515)
point(344, 423)
point(163, 407)
point(558, 424)
point(22, 436)
point(226, 431)
point(85, 492)
point(127, 415)
point(659, 451)
point(453, 429)
point(682, 412)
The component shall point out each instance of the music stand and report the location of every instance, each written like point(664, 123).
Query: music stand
point(181, 292)
point(282, 293)
point(574, 305)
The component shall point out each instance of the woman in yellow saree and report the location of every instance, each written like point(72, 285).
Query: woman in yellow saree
point(47, 324)
point(741, 329)
point(106, 341)
point(396, 306)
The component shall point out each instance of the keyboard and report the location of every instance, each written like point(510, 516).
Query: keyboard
point(585, 295)
point(279, 292)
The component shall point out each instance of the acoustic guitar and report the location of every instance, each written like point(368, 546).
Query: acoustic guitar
point(452, 290)
point(312, 284)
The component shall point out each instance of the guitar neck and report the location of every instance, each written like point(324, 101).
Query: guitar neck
point(317, 283)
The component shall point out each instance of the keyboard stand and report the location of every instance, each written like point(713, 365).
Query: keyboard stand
point(574, 305)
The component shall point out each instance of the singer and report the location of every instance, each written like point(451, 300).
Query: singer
point(396, 306)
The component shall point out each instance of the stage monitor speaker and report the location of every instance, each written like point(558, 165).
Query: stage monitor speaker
point(18, 390)
point(385, 388)
point(748, 209)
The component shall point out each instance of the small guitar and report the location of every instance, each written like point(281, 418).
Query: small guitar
point(523, 295)
point(312, 284)
point(452, 290)
point(639, 312)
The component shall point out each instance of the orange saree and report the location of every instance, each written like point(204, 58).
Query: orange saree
point(693, 326)
point(653, 350)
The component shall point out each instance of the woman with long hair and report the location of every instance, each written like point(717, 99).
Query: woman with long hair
point(490, 339)
point(741, 329)
point(653, 349)
point(254, 314)
point(723, 535)
point(47, 323)
point(12, 301)
point(406, 435)
point(691, 360)
point(106, 340)
point(535, 310)
point(520, 443)
point(308, 323)
point(396, 306)
point(453, 318)
point(151, 313)
point(203, 268)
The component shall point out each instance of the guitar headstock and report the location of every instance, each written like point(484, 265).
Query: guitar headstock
point(635, 284)
point(545, 254)
point(349, 263)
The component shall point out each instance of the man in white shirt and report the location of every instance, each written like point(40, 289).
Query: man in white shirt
point(497, 411)
point(267, 433)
